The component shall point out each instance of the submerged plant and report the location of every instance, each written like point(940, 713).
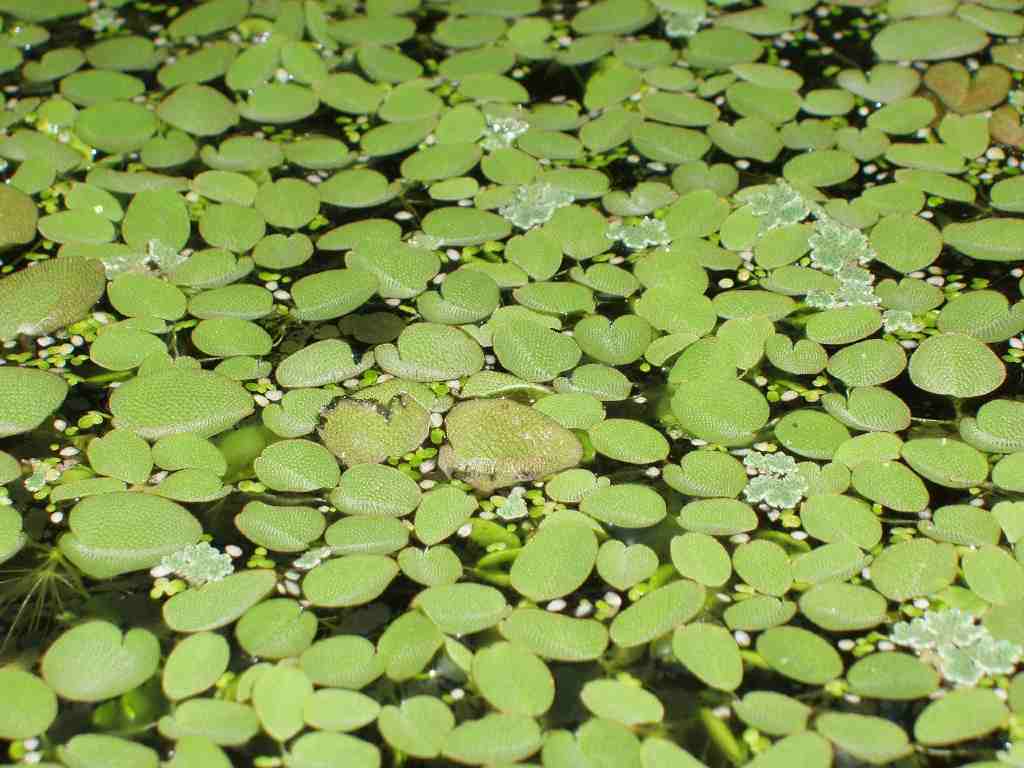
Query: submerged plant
point(34, 596)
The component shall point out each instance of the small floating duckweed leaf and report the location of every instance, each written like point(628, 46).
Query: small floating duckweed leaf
point(37, 705)
point(956, 364)
point(179, 400)
point(276, 629)
point(225, 723)
point(94, 748)
point(709, 652)
point(626, 505)
point(493, 738)
point(339, 710)
point(624, 566)
point(462, 608)
point(95, 661)
point(556, 637)
point(48, 296)
point(873, 739)
point(723, 412)
point(963, 715)
point(432, 566)
point(657, 613)
point(218, 603)
point(375, 490)
point(349, 581)
point(629, 441)
point(555, 562)
point(418, 726)
point(114, 533)
point(332, 293)
point(296, 465)
point(533, 352)
point(773, 713)
point(914, 568)
point(194, 665)
point(513, 680)
point(29, 397)
point(625, 703)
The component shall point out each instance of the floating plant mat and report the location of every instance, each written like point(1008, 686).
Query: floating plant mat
point(632, 384)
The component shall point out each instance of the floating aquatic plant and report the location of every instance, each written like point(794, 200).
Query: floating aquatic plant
point(644, 233)
point(776, 482)
point(103, 20)
point(535, 204)
point(682, 23)
point(513, 506)
point(964, 650)
point(312, 558)
point(197, 564)
point(835, 246)
point(899, 320)
point(855, 289)
point(502, 131)
point(367, 366)
point(778, 205)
